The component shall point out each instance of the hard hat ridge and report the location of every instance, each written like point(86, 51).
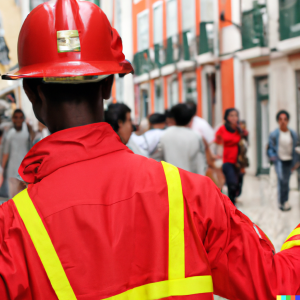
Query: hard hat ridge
point(67, 15)
point(69, 39)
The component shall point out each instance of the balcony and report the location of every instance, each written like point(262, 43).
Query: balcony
point(188, 45)
point(173, 50)
point(253, 29)
point(142, 62)
point(206, 38)
point(289, 19)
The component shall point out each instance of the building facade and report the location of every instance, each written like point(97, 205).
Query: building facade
point(220, 54)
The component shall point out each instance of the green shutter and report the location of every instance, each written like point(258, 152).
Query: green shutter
point(289, 19)
point(253, 28)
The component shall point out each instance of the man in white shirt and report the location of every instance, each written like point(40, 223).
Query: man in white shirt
point(16, 145)
point(200, 125)
point(149, 140)
point(281, 151)
point(180, 145)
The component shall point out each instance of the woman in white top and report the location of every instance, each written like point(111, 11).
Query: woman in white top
point(281, 151)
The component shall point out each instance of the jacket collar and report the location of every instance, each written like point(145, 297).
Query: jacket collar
point(67, 147)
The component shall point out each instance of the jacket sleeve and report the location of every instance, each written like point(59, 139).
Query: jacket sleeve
point(242, 259)
point(14, 281)
point(272, 146)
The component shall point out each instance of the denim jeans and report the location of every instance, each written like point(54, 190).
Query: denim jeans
point(234, 181)
point(284, 171)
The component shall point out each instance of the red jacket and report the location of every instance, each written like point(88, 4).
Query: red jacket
point(230, 141)
point(101, 206)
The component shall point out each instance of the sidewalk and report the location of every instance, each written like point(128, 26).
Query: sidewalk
point(259, 202)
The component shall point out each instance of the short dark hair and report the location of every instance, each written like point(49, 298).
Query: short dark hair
point(282, 112)
point(65, 92)
point(193, 106)
point(157, 118)
point(116, 112)
point(182, 114)
point(168, 114)
point(18, 111)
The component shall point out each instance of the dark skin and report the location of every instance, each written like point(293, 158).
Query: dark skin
point(59, 116)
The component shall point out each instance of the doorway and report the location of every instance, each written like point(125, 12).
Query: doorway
point(211, 98)
point(262, 128)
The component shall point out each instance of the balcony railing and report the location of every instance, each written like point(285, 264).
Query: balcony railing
point(178, 47)
point(206, 39)
point(173, 50)
point(289, 19)
point(142, 62)
point(253, 29)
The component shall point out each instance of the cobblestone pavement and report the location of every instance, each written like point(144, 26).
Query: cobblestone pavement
point(259, 202)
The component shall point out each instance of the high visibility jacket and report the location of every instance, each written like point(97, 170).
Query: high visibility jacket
point(98, 222)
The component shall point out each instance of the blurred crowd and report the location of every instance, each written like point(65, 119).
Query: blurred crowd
point(16, 139)
point(183, 139)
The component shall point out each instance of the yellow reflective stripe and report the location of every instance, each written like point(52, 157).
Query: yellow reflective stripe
point(290, 244)
point(293, 233)
point(44, 246)
point(164, 289)
point(176, 223)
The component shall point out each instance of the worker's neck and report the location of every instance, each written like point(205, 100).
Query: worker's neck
point(68, 115)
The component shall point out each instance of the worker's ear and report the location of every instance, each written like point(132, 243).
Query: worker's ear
point(107, 86)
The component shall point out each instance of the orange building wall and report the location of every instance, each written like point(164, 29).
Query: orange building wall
point(227, 85)
point(199, 91)
point(227, 66)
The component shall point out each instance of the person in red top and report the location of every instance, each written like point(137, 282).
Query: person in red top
point(229, 135)
point(99, 222)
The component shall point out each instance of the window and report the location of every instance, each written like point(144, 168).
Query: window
point(118, 17)
point(188, 14)
point(172, 27)
point(158, 23)
point(207, 10)
point(262, 91)
point(143, 30)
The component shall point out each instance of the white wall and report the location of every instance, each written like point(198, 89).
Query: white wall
point(273, 21)
point(282, 91)
point(128, 51)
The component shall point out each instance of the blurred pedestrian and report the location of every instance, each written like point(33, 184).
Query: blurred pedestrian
point(229, 135)
point(17, 144)
point(149, 140)
point(42, 132)
point(281, 151)
point(200, 125)
point(118, 115)
point(180, 145)
point(170, 121)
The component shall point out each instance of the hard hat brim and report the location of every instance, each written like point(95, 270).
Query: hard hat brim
point(71, 68)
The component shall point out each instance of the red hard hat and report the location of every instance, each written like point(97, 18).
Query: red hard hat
point(69, 38)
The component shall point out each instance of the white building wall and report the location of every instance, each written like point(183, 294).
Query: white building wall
point(273, 23)
point(282, 91)
point(126, 23)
